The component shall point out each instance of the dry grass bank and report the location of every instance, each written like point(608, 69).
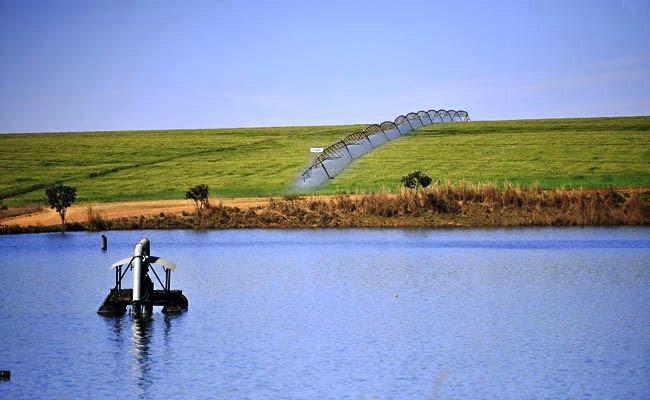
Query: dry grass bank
point(442, 205)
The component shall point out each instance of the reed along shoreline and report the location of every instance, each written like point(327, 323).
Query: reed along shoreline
point(438, 206)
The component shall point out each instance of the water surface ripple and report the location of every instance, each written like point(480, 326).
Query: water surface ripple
point(336, 314)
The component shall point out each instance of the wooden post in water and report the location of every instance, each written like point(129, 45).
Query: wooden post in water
point(104, 243)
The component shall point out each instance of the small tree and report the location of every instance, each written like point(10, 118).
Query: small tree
point(199, 194)
point(416, 180)
point(60, 197)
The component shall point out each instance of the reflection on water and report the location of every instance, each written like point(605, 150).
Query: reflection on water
point(527, 313)
point(139, 332)
point(141, 364)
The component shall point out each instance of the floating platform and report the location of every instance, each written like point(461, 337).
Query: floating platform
point(172, 301)
point(143, 297)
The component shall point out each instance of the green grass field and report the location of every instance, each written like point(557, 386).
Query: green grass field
point(571, 153)
point(145, 165)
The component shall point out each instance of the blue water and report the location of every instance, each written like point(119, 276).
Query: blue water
point(336, 314)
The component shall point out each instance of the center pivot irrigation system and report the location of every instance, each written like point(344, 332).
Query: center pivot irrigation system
point(334, 158)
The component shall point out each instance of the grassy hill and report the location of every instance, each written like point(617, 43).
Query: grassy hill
point(580, 153)
point(144, 165)
point(141, 165)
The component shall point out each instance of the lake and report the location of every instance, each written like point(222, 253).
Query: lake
point(549, 313)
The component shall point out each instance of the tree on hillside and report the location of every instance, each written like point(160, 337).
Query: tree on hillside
point(416, 180)
point(60, 197)
point(199, 194)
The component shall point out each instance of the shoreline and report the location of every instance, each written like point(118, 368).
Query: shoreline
point(440, 206)
point(41, 215)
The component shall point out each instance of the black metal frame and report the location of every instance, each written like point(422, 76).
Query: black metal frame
point(441, 112)
point(463, 115)
point(119, 275)
point(355, 139)
point(384, 125)
point(422, 114)
point(398, 122)
point(436, 114)
point(412, 117)
point(374, 129)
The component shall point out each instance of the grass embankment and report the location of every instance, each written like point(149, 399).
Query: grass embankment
point(442, 205)
point(571, 153)
point(152, 165)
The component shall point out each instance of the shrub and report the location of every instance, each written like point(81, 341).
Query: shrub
point(416, 180)
point(199, 194)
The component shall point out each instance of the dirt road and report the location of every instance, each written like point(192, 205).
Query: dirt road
point(79, 213)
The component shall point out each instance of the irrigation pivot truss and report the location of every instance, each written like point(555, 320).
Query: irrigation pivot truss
point(339, 155)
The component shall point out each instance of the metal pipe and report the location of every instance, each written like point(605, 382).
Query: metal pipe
point(139, 271)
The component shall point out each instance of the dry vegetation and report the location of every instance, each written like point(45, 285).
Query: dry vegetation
point(441, 205)
point(6, 212)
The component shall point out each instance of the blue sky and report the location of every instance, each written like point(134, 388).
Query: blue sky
point(109, 65)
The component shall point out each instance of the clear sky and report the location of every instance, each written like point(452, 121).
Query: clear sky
point(108, 65)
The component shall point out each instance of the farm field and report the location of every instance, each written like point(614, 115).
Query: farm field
point(151, 165)
point(571, 153)
point(249, 162)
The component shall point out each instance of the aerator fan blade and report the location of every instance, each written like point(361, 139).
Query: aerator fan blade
point(162, 262)
point(125, 261)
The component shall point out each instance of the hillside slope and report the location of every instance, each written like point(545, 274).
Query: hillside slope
point(150, 165)
point(587, 153)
